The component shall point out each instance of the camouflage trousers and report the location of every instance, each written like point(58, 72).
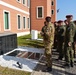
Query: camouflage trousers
point(69, 54)
point(55, 42)
point(60, 49)
point(48, 53)
point(74, 48)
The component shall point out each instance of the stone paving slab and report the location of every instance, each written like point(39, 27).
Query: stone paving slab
point(55, 71)
point(71, 71)
point(57, 68)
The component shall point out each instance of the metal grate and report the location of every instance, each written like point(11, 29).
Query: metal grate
point(24, 54)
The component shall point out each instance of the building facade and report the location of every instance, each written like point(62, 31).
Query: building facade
point(39, 9)
point(22, 16)
point(14, 16)
point(53, 10)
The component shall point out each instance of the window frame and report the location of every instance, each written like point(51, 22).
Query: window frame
point(53, 12)
point(23, 22)
point(28, 25)
point(28, 3)
point(18, 1)
point(9, 20)
point(53, 3)
point(25, 3)
point(42, 12)
point(20, 22)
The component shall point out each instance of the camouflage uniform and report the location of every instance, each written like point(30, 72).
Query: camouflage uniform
point(55, 37)
point(74, 44)
point(48, 37)
point(69, 35)
point(60, 48)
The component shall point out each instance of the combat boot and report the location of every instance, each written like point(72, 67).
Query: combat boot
point(48, 69)
point(72, 64)
point(67, 65)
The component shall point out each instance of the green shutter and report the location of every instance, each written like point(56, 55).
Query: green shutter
point(24, 23)
point(23, 1)
point(6, 20)
point(28, 22)
point(18, 21)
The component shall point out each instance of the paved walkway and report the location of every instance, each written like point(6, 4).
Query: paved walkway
point(58, 68)
point(29, 64)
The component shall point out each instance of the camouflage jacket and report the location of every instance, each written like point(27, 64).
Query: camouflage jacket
point(70, 32)
point(48, 31)
point(61, 32)
point(75, 34)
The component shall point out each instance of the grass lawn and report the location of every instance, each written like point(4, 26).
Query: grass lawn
point(22, 41)
point(7, 71)
point(26, 41)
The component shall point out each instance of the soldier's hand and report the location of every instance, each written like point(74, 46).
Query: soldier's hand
point(41, 33)
point(69, 44)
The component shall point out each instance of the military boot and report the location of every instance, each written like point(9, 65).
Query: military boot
point(48, 69)
point(67, 65)
point(72, 64)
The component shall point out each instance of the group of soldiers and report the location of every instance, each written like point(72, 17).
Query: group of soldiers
point(60, 35)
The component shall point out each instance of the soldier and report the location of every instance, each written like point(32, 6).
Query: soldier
point(48, 38)
point(55, 37)
point(69, 35)
point(60, 38)
point(74, 39)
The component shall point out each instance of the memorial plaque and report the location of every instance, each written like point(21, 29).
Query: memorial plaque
point(8, 42)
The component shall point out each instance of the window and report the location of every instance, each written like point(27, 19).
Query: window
point(52, 12)
point(19, 1)
point(6, 20)
point(23, 2)
point(28, 22)
point(28, 3)
point(19, 21)
point(52, 3)
point(24, 22)
point(39, 12)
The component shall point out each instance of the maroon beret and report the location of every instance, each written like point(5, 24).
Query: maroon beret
point(60, 21)
point(68, 16)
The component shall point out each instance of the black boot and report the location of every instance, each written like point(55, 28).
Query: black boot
point(67, 65)
point(49, 69)
point(72, 64)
